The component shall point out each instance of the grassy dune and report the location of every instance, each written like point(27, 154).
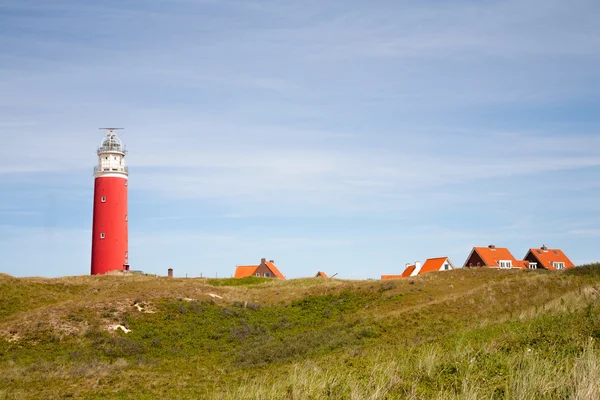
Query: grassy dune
point(464, 334)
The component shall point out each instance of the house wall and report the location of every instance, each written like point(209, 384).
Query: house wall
point(474, 259)
point(446, 261)
point(262, 269)
point(531, 258)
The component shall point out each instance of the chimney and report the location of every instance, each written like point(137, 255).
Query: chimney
point(263, 260)
point(272, 262)
point(407, 265)
point(492, 246)
point(417, 269)
point(170, 272)
point(544, 248)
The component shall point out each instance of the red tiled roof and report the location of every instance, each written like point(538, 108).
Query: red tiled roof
point(432, 264)
point(274, 270)
point(385, 277)
point(409, 270)
point(321, 274)
point(491, 256)
point(547, 256)
point(242, 271)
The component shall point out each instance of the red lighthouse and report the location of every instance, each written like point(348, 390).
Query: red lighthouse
point(109, 228)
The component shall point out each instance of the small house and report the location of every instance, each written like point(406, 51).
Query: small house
point(436, 264)
point(430, 265)
point(410, 270)
point(545, 258)
point(266, 269)
point(493, 257)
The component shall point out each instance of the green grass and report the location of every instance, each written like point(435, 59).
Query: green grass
point(461, 334)
point(21, 295)
point(249, 280)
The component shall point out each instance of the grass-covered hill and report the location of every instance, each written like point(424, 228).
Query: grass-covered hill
point(468, 334)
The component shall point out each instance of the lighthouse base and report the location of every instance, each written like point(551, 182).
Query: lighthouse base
point(110, 226)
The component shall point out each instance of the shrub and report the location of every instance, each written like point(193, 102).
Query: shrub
point(387, 286)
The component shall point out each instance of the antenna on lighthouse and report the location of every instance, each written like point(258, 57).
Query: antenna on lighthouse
point(111, 129)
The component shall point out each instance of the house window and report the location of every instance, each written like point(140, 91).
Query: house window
point(102, 235)
point(267, 275)
point(558, 265)
point(446, 266)
point(103, 199)
point(125, 217)
point(257, 274)
point(505, 264)
point(532, 265)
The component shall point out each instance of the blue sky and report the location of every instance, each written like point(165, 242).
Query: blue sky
point(345, 136)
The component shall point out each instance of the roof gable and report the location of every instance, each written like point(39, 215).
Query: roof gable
point(274, 270)
point(321, 274)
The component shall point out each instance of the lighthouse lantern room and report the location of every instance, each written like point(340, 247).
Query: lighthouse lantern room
point(109, 226)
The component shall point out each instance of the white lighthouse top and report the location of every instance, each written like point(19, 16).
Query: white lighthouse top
point(111, 142)
point(111, 156)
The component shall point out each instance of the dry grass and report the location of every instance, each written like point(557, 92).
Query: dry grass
point(530, 376)
point(465, 334)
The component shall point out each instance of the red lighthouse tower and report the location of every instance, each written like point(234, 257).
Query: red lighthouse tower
point(109, 228)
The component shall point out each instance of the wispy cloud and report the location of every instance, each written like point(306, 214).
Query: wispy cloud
point(315, 114)
point(585, 232)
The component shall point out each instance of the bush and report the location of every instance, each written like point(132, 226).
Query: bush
point(387, 286)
